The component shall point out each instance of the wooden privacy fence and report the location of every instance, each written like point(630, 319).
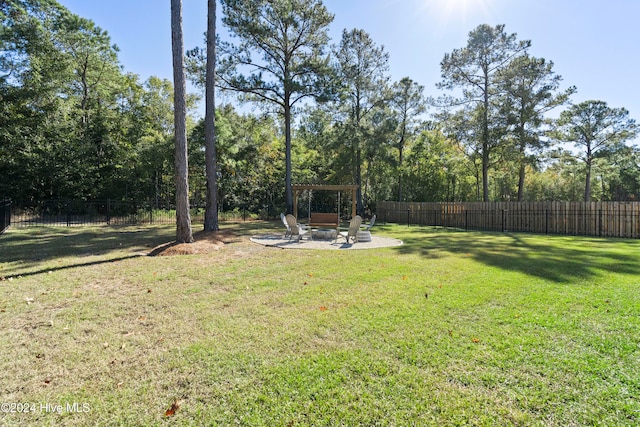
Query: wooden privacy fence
point(603, 219)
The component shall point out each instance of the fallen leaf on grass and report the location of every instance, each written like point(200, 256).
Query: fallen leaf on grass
point(404, 277)
point(29, 300)
point(172, 410)
point(323, 308)
point(475, 340)
point(148, 291)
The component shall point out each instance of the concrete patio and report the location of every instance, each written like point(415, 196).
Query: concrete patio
point(279, 241)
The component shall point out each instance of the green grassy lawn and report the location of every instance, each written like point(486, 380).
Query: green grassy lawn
point(452, 328)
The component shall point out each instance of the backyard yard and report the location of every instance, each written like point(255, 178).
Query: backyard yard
point(451, 328)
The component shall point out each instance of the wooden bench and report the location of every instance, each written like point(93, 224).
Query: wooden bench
point(323, 220)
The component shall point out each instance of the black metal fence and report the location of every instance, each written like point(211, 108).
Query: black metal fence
point(5, 215)
point(106, 212)
point(94, 212)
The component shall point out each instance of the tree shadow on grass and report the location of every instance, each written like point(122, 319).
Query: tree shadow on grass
point(30, 251)
point(27, 251)
point(67, 267)
point(560, 259)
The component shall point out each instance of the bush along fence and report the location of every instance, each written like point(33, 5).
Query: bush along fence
point(5, 215)
point(601, 219)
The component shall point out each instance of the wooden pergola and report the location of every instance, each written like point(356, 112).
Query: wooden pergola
point(320, 187)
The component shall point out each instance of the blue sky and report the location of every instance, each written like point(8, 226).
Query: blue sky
point(595, 45)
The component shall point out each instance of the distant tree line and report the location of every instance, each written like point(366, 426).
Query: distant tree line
point(74, 124)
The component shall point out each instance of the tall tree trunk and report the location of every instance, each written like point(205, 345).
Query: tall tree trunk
point(287, 155)
point(523, 160)
point(485, 143)
point(400, 159)
point(367, 179)
point(211, 209)
point(183, 218)
point(358, 158)
point(477, 175)
point(589, 163)
point(523, 166)
point(587, 185)
point(485, 172)
point(359, 204)
point(521, 175)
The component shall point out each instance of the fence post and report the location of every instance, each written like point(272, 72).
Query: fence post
point(600, 223)
point(445, 217)
point(408, 217)
point(504, 220)
point(546, 221)
point(108, 211)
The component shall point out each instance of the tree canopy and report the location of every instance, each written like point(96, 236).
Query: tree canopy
point(289, 38)
point(595, 129)
point(477, 69)
point(75, 124)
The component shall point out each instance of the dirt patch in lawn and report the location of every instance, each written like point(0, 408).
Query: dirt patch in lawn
point(204, 242)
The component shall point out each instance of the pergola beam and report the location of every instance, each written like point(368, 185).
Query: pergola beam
point(324, 187)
